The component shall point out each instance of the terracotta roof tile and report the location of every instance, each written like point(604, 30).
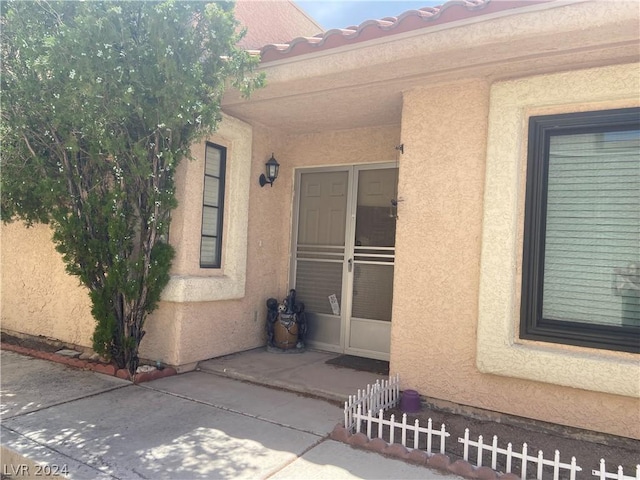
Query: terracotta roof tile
point(452, 11)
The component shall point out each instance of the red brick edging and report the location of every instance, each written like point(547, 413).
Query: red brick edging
point(107, 369)
point(437, 461)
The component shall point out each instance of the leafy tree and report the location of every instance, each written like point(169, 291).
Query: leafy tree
point(100, 102)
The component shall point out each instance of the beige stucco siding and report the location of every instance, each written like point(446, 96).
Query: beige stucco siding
point(38, 297)
point(437, 340)
point(438, 239)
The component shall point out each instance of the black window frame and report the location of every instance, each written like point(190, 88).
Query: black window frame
point(221, 190)
point(532, 325)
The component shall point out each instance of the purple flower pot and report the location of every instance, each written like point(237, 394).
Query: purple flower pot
point(410, 401)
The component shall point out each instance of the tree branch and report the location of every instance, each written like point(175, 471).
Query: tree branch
point(26, 140)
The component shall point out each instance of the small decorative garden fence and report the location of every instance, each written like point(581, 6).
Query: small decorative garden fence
point(382, 395)
point(524, 457)
point(404, 428)
point(602, 473)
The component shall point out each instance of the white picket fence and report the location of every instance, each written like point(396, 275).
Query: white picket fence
point(382, 395)
point(524, 457)
point(602, 474)
point(385, 394)
point(404, 428)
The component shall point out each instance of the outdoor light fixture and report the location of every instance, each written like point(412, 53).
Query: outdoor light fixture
point(272, 172)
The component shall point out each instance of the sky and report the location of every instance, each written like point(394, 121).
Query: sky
point(340, 13)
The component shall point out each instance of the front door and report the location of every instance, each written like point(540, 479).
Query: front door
point(344, 252)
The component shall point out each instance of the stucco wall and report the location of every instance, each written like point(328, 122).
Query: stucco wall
point(438, 240)
point(38, 297)
point(440, 228)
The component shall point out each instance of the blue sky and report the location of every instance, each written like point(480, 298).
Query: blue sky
point(340, 13)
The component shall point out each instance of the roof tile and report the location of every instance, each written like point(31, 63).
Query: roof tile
point(451, 11)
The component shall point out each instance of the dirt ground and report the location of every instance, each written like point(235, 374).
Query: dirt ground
point(43, 346)
point(587, 447)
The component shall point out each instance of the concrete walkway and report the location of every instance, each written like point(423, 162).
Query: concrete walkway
point(195, 425)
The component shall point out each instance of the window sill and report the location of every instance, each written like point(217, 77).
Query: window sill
point(183, 289)
point(576, 367)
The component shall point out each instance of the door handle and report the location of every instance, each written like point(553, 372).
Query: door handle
point(350, 264)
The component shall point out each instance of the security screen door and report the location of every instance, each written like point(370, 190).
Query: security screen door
point(344, 252)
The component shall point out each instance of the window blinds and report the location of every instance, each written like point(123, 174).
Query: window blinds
point(592, 238)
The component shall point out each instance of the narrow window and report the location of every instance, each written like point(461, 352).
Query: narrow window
point(212, 206)
point(581, 262)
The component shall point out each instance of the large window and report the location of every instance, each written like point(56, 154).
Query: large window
point(212, 206)
point(581, 263)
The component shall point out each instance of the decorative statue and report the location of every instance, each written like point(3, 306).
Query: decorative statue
point(272, 316)
point(286, 323)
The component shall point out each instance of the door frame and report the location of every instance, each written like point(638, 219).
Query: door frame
point(347, 277)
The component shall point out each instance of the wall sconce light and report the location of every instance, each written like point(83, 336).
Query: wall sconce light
point(272, 172)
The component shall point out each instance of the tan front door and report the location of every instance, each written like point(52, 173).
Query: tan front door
point(343, 257)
